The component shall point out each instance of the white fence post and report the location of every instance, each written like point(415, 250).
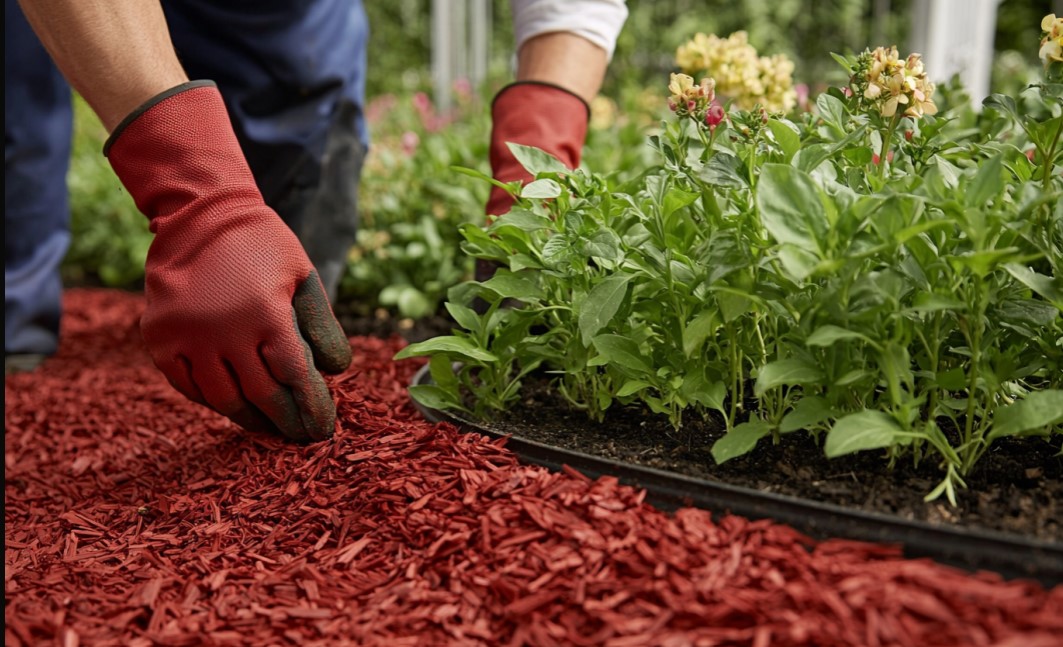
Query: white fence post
point(461, 37)
point(956, 37)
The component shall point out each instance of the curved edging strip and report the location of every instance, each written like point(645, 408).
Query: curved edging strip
point(1011, 556)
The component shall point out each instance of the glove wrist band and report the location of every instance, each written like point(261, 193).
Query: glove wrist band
point(148, 105)
point(544, 84)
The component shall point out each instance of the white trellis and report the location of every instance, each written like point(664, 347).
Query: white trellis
point(956, 37)
point(461, 38)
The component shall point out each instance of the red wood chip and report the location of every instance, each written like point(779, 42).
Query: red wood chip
point(133, 517)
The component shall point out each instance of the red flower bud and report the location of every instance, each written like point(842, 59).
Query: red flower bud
point(714, 115)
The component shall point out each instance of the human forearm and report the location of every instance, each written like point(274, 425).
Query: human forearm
point(567, 43)
point(117, 55)
point(550, 58)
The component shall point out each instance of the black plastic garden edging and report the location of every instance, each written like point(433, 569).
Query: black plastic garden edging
point(1009, 555)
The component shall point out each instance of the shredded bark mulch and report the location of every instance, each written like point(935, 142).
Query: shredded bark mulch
point(133, 517)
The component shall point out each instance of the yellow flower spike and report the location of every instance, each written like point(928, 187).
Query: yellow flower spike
point(679, 84)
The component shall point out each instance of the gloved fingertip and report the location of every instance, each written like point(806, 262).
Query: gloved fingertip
point(318, 326)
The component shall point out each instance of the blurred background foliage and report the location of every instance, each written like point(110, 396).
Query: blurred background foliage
point(412, 202)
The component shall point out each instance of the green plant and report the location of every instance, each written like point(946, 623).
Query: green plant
point(109, 237)
point(885, 281)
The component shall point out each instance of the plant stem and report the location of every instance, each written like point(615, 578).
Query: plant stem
point(884, 150)
point(1049, 156)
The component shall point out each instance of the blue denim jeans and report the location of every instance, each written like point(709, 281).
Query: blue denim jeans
point(292, 73)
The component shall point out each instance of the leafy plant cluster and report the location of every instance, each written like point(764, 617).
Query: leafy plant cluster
point(882, 283)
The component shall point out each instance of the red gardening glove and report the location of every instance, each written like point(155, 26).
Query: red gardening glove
point(534, 114)
point(236, 316)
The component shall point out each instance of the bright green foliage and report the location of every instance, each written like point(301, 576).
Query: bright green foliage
point(911, 307)
point(109, 238)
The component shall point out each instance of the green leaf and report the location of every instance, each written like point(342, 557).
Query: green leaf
point(464, 316)
point(513, 286)
point(797, 262)
point(434, 397)
point(830, 334)
point(930, 302)
point(677, 199)
point(790, 206)
point(787, 371)
point(471, 172)
point(604, 245)
point(723, 170)
point(983, 262)
point(787, 138)
point(449, 344)
point(622, 352)
point(860, 431)
point(1002, 103)
point(831, 109)
point(808, 411)
point(601, 305)
point(698, 330)
point(987, 184)
point(413, 303)
point(441, 368)
point(710, 395)
point(631, 387)
point(521, 219)
point(1037, 410)
point(1046, 286)
point(740, 440)
point(809, 158)
point(541, 189)
point(536, 161)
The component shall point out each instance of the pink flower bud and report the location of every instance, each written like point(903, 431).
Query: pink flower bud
point(908, 135)
point(714, 115)
point(691, 105)
point(672, 106)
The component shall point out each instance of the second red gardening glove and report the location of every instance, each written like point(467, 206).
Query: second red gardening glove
point(236, 317)
point(533, 114)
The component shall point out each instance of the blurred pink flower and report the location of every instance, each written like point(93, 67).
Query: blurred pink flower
point(379, 107)
point(463, 88)
point(802, 92)
point(410, 142)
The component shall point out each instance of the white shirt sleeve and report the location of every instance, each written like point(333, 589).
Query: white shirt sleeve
point(599, 21)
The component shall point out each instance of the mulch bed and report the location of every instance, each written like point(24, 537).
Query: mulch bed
point(133, 517)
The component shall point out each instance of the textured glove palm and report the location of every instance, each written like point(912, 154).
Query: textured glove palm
point(236, 317)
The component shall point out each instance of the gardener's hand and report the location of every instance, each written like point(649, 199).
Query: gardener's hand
point(236, 317)
point(537, 114)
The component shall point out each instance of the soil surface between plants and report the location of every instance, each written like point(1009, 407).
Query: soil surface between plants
point(135, 517)
point(1017, 488)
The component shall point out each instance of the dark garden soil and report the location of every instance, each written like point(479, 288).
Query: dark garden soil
point(1017, 487)
point(133, 517)
point(359, 322)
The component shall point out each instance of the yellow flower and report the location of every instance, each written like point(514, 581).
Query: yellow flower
point(1052, 42)
point(603, 113)
point(887, 82)
point(688, 99)
point(740, 74)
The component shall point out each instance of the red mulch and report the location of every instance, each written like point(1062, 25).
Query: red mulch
point(133, 517)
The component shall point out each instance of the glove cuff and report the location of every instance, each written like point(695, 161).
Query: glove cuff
point(536, 114)
point(178, 156)
point(148, 105)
